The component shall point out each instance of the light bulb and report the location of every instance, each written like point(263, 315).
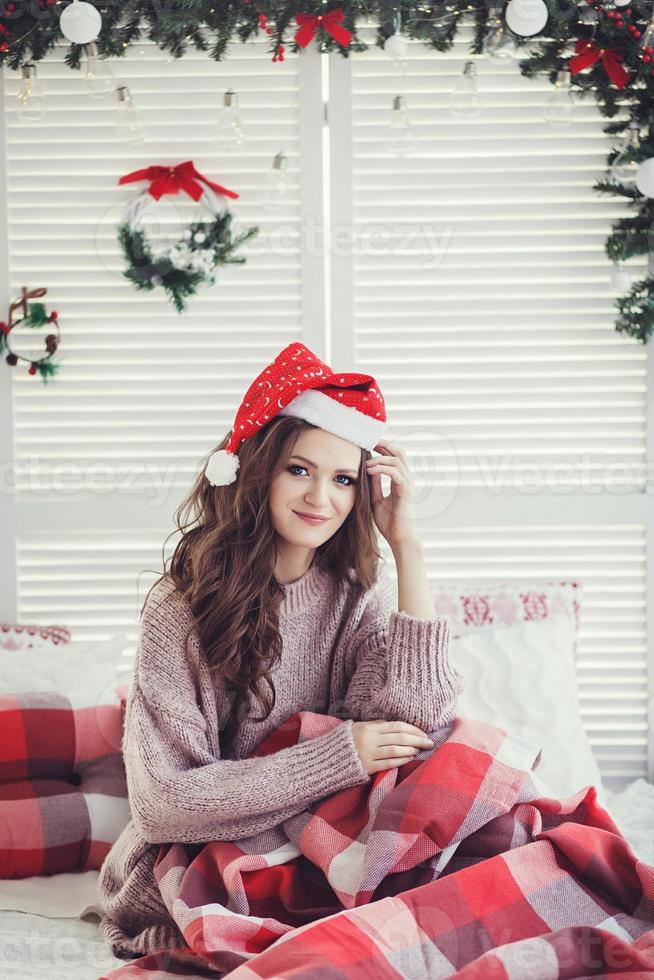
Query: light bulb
point(230, 132)
point(274, 192)
point(500, 46)
point(559, 106)
point(31, 106)
point(399, 138)
point(465, 96)
point(99, 79)
point(624, 168)
point(128, 124)
point(647, 40)
point(495, 41)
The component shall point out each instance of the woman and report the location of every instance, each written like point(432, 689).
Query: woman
point(262, 607)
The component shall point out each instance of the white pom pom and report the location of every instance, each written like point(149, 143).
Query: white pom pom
point(222, 468)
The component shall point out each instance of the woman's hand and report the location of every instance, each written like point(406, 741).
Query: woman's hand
point(394, 514)
point(387, 744)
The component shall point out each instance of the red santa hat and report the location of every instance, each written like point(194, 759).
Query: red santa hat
point(298, 383)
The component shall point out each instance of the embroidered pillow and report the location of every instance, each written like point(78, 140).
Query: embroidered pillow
point(477, 607)
point(19, 636)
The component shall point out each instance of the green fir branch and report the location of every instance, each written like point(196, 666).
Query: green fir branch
point(637, 310)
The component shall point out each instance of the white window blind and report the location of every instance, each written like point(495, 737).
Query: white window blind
point(478, 293)
point(476, 289)
point(104, 453)
point(142, 388)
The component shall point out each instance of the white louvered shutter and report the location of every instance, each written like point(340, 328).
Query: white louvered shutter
point(106, 452)
point(486, 315)
point(478, 293)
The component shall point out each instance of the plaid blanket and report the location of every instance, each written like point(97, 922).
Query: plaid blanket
point(459, 863)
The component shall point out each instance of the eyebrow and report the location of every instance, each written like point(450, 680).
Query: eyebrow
point(305, 460)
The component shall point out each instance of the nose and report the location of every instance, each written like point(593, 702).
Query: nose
point(318, 495)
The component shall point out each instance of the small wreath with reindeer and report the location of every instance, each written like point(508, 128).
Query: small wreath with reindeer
point(34, 315)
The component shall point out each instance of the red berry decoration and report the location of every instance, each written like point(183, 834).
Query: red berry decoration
point(32, 368)
point(54, 315)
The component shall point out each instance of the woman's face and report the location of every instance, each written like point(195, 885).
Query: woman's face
point(326, 487)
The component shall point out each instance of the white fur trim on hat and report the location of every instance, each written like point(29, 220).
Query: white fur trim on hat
point(221, 468)
point(342, 420)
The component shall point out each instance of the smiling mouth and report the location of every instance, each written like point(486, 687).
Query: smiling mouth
point(310, 517)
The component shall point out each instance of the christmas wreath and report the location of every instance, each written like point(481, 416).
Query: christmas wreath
point(193, 260)
point(34, 315)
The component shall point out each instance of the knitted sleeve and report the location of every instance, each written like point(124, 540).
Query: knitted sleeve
point(178, 789)
point(398, 665)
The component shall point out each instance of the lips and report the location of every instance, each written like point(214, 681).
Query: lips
point(309, 518)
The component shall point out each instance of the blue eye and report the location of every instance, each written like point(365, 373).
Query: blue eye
point(296, 466)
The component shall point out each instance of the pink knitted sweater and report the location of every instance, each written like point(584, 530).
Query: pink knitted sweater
point(346, 652)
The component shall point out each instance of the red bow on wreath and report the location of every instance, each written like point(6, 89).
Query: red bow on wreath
point(588, 53)
point(331, 22)
point(172, 180)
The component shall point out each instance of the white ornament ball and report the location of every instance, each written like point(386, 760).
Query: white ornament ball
point(526, 17)
point(80, 22)
point(199, 236)
point(622, 3)
point(645, 177)
point(396, 46)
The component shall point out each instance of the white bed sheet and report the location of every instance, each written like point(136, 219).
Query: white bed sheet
point(36, 946)
point(49, 925)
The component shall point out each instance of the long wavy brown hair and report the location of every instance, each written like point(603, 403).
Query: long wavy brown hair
point(224, 565)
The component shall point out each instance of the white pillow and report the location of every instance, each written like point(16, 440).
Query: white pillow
point(522, 678)
point(86, 669)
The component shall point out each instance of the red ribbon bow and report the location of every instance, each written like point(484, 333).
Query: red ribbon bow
point(588, 53)
point(331, 22)
point(172, 180)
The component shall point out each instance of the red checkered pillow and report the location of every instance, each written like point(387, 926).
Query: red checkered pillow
point(476, 607)
point(20, 636)
point(63, 787)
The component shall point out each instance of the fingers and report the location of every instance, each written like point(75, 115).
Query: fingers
point(395, 752)
point(379, 765)
point(389, 727)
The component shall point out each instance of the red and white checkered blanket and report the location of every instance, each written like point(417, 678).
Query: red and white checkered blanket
point(457, 864)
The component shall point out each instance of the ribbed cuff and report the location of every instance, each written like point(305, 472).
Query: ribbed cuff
point(420, 674)
point(327, 763)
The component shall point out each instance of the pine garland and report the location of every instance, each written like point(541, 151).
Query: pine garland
point(212, 25)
